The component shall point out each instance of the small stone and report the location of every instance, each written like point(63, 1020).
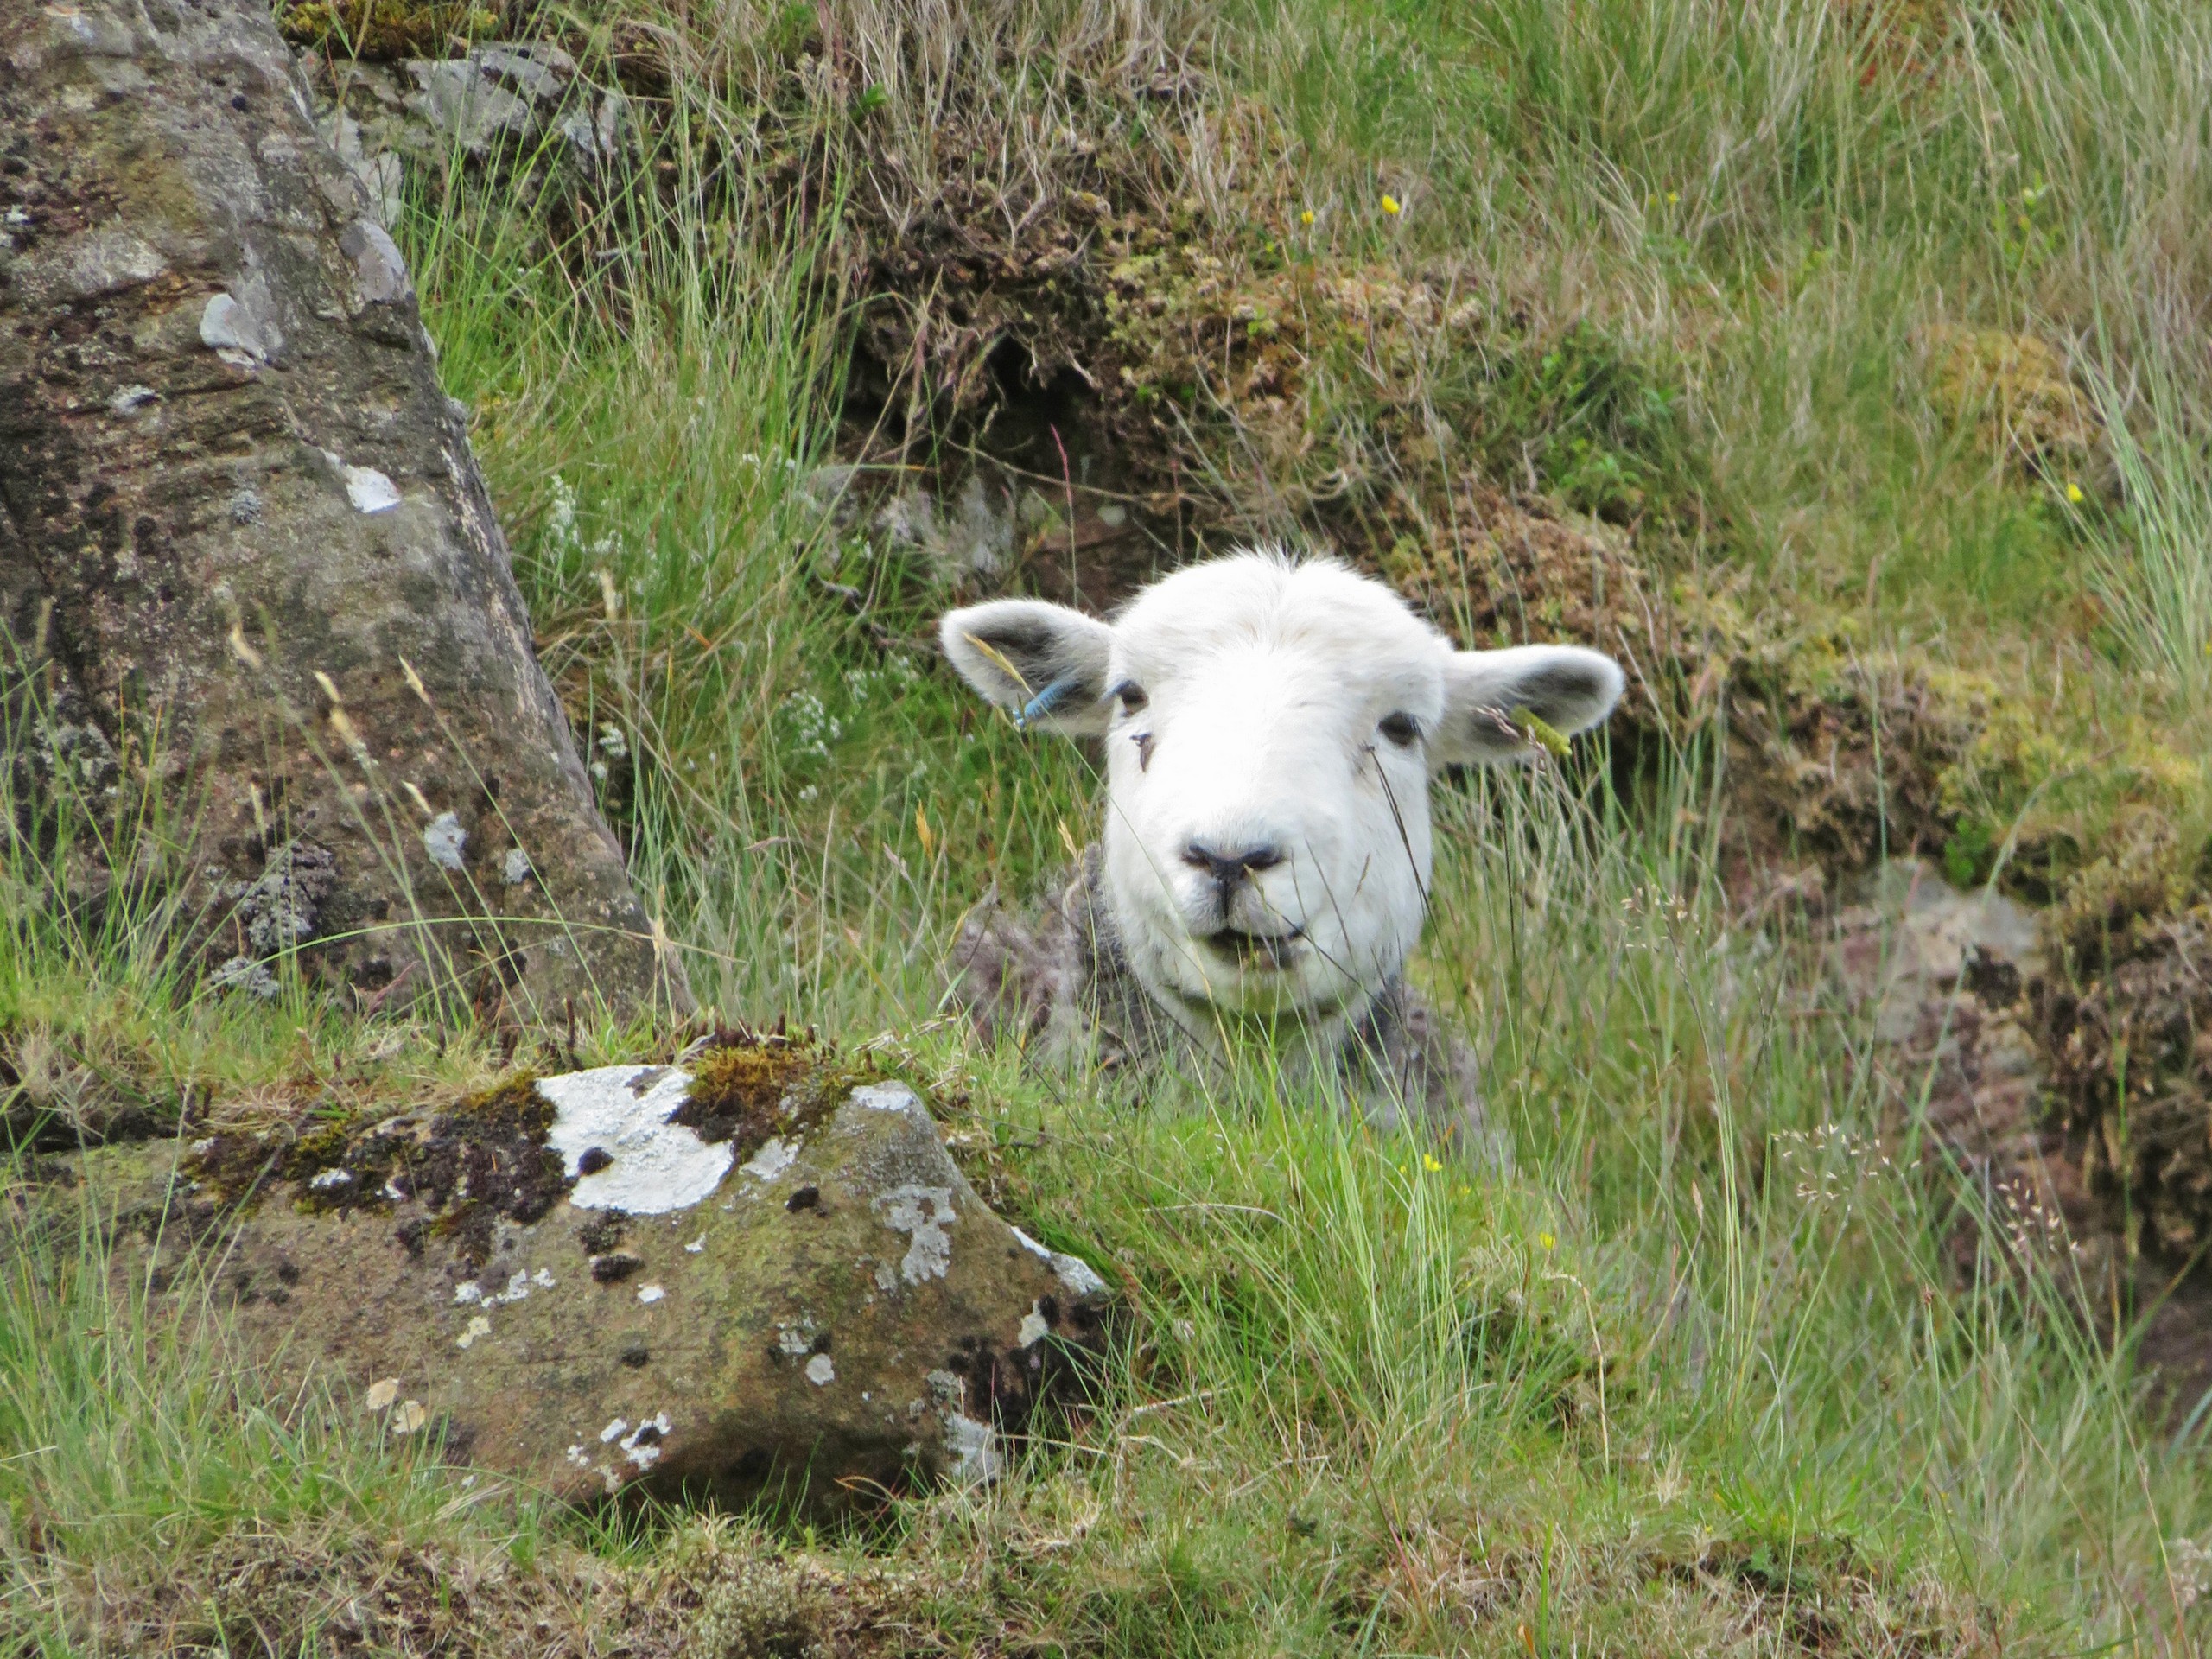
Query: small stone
point(382, 1393)
point(820, 1371)
point(651, 1293)
point(408, 1417)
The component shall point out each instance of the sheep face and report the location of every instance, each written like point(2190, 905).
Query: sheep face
point(1269, 727)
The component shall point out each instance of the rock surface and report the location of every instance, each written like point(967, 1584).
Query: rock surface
point(762, 1273)
point(246, 559)
point(1992, 1067)
point(521, 104)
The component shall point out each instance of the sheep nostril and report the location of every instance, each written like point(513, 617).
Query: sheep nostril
point(1229, 868)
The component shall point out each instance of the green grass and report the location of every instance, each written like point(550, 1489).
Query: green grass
point(1697, 1377)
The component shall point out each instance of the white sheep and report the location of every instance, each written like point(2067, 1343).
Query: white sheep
point(1270, 727)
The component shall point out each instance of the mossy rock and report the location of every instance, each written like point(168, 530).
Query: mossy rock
point(389, 30)
point(573, 1286)
point(2127, 1058)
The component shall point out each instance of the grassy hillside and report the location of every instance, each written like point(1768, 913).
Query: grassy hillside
point(1838, 365)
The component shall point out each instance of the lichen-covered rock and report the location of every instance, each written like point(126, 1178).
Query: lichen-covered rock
point(247, 560)
point(760, 1272)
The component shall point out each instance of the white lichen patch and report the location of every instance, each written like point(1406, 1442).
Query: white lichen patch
point(651, 1293)
point(974, 1448)
point(443, 839)
point(774, 1157)
point(620, 1425)
point(1034, 1329)
point(469, 1293)
point(479, 1326)
point(408, 1416)
point(923, 1213)
point(795, 1341)
point(886, 1098)
point(370, 491)
point(382, 1393)
point(514, 868)
point(820, 1371)
point(331, 1179)
point(642, 1443)
point(1075, 1275)
point(659, 1166)
point(697, 1245)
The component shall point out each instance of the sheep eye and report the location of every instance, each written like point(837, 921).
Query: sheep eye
point(1132, 696)
point(1401, 729)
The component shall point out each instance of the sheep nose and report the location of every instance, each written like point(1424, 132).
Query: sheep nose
point(1229, 868)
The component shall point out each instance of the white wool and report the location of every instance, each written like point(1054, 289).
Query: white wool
point(1284, 718)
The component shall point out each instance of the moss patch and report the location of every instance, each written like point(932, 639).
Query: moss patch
point(390, 29)
point(2015, 393)
point(483, 1159)
point(750, 1089)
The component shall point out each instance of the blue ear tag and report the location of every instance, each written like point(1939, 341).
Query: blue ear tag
point(1046, 701)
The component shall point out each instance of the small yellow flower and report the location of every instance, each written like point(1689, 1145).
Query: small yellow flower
point(1428, 1162)
point(1673, 197)
point(2073, 491)
point(1390, 205)
point(1305, 217)
point(1546, 1241)
point(1465, 1190)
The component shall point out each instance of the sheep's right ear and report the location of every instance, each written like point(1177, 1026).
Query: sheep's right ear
point(1044, 664)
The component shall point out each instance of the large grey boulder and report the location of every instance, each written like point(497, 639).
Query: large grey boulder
point(247, 564)
point(762, 1272)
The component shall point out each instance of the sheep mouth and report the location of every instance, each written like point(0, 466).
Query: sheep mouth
point(1265, 952)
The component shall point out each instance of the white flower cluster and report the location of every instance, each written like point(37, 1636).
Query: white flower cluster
point(813, 727)
point(565, 541)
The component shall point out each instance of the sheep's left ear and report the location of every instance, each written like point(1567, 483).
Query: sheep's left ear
point(1044, 664)
point(1487, 693)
